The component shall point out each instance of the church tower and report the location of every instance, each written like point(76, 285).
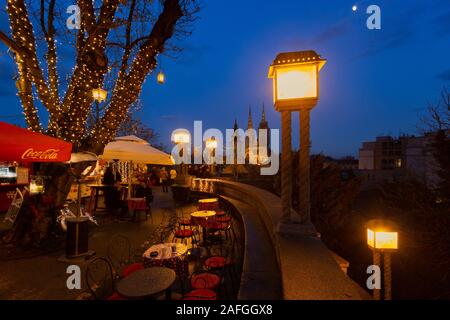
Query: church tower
point(249, 121)
point(263, 124)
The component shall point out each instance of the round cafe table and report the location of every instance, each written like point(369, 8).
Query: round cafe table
point(208, 204)
point(167, 258)
point(147, 283)
point(201, 217)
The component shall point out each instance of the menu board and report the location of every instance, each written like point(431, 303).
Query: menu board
point(22, 175)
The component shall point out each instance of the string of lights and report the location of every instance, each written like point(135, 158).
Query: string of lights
point(69, 113)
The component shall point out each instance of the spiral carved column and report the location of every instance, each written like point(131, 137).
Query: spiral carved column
point(377, 262)
point(387, 276)
point(286, 165)
point(304, 166)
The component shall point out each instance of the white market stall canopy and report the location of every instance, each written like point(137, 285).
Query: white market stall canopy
point(132, 148)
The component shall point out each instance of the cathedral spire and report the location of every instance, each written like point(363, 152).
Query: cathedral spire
point(235, 127)
point(263, 114)
point(249, 122)
point(263, 124)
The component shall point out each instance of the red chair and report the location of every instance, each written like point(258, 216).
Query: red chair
point(200, 294)
point(216, 226)
point(186, 222)
point(205, 280)
point(132, 268)
point(220, 213)
point(182, 233)
point(224, 219)
point(221, 260)
point(115, 296)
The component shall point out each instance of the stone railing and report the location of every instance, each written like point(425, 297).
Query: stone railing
point(288, 262)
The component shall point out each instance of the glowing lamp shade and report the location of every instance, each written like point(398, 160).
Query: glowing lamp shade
point(381, 235)
point(181, 136)
point(296, 79)
point(99, 94)
point(36, 186)
point(211, 144)
point(161, 78)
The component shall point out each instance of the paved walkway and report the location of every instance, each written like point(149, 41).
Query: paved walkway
point(44, 277)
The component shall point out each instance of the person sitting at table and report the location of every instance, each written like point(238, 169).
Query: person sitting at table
point(143, 190)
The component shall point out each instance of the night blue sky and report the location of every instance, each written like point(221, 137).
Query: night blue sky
point(375, 82)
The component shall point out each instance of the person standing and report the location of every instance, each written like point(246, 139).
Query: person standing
point(164, 175)
point(173, 175)
point(112, 192)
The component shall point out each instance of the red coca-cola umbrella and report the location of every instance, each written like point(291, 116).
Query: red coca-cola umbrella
point(18, 144)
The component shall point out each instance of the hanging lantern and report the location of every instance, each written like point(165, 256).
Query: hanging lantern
point(99, 94)
point(161, 78)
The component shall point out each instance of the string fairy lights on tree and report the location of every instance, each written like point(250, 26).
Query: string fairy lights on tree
point(115, 48)
point(137, 31)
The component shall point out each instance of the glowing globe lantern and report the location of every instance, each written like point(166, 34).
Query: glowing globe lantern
point(296, 80)
point(211, 144)
point(99, 94)
point(382, 235)
point(181, 136)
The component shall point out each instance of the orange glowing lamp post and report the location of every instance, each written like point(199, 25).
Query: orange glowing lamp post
point(295, 78)
point(382, 238)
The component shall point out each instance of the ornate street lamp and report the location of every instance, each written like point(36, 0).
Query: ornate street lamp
point(99, 94)
point(295, 88)
point(182, 138)
point(382, 238)
point(211, 146)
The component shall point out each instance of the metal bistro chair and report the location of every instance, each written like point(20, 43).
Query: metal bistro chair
point(222, 261)
point(100, 280)
point(119, 254)
point(182, 233)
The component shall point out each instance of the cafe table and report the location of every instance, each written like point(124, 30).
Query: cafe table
point(169, 255)
point(95, 193)
point(137, 204)
point(147, 283)
point(201, 218)
point(208, 204)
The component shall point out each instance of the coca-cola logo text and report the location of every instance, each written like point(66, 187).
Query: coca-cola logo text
point(49, 154)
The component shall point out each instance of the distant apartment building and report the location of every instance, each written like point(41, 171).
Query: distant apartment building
point(390, 158)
